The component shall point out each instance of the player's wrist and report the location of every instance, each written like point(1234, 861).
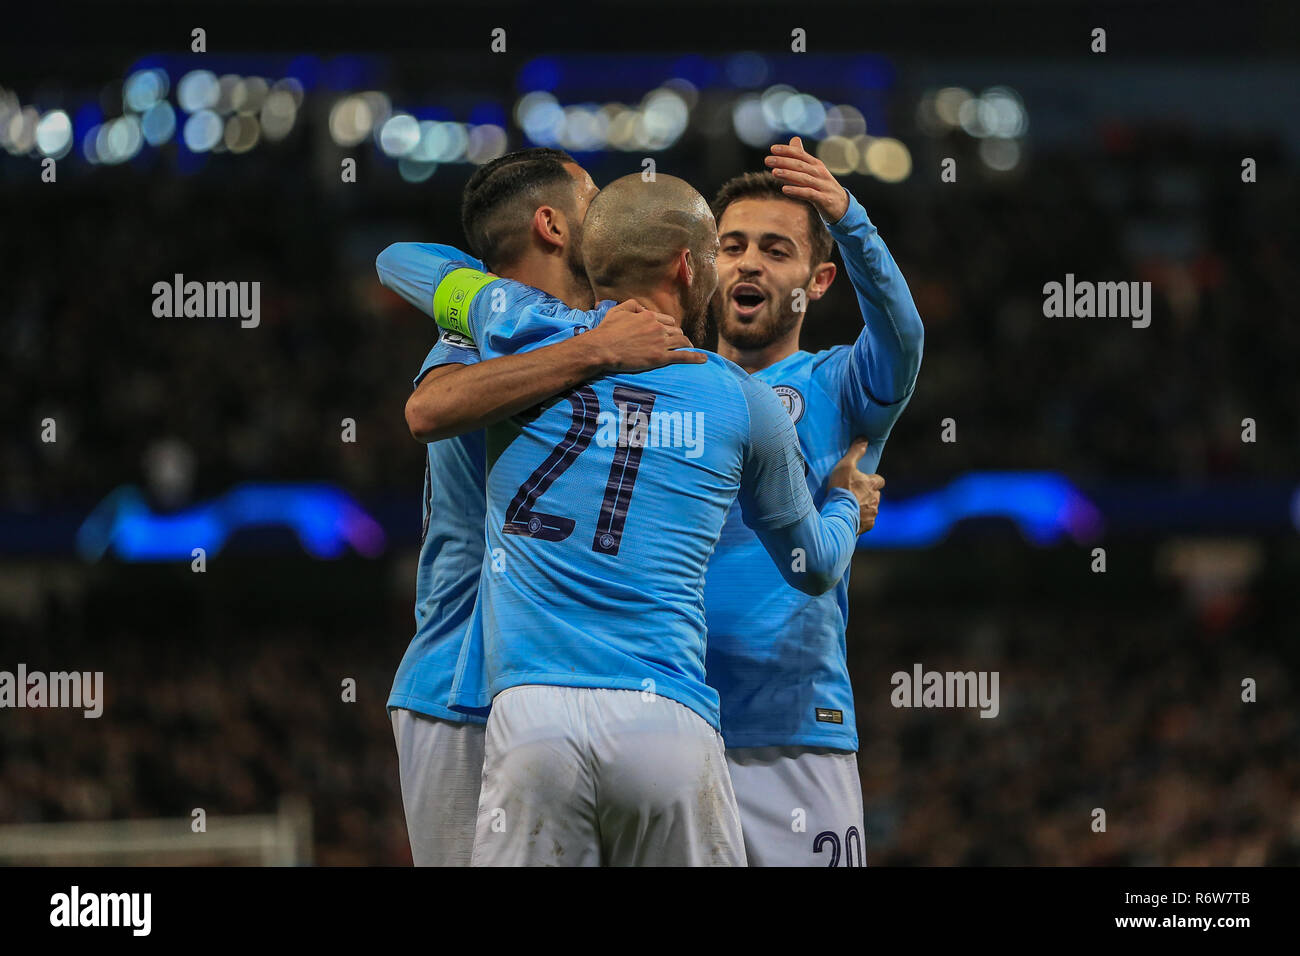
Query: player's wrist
point(835, 213)
point(591, 356)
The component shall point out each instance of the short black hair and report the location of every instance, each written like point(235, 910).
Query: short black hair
point(767, 186)
point(493, 210)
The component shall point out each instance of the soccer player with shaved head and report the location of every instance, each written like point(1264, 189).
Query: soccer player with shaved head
point(523, 213)
point(776, 655)
point(638, 234)
point(603, 506)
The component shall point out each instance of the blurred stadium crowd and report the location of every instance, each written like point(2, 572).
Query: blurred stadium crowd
point(1113, 695)
point(1115, 704)
point(1089, 397)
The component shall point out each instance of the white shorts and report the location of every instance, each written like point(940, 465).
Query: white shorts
point(580, 776)
point(440, 763)
point(799, 806)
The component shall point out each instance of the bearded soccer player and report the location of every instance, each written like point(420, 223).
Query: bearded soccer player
point(777, 656)
point(524, 213)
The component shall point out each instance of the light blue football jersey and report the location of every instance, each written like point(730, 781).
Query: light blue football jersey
point(777, 656)
point(604, 505)
point(451, 542)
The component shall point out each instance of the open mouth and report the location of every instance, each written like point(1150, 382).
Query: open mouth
point(747, 299)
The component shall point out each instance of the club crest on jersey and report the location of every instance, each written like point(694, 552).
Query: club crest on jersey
point(791, 399)
point(456, 339)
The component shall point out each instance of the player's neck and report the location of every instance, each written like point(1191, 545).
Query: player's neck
point(663, 299)
point(552, 275)
point(755, 360)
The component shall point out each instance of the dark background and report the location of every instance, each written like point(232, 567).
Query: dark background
point(1119, 690)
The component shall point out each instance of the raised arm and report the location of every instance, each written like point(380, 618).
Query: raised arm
point(878, 374)
point(466, 395)
point(886, 357)
point(812, 550)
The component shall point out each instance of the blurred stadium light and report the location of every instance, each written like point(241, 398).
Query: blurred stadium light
point(224, 103)
point(1046, 508)
point(326, 520)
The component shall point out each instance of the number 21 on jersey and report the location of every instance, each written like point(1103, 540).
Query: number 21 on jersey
point(634, 407)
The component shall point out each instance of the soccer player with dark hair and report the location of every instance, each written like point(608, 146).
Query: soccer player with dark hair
point(523, 213)
point(776, 655)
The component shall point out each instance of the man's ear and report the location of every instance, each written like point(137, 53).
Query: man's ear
point(821, 280)
point(684, 268)
point(550, 226)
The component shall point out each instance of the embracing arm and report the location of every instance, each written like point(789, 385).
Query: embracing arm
point(456, 398)
point(812, 550)
point(813, 553)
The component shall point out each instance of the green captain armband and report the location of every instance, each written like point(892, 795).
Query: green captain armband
point(453, 297)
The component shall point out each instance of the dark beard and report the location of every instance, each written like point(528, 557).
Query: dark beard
point(702, 328)
point(756, 335)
